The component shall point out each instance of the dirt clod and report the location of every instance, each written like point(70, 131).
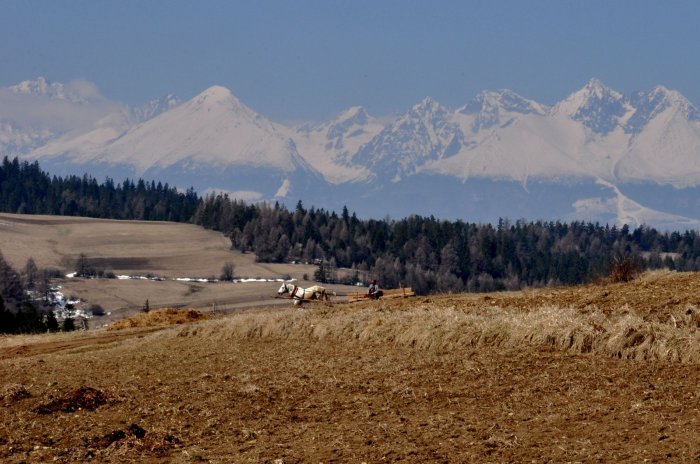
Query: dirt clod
point(14, 392)
point(82, 398)
point(108, 439)
point(137, 431)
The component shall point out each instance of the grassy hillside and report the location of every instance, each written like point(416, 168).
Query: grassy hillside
point(603, 372)
point(126, 247)
point(164, 249)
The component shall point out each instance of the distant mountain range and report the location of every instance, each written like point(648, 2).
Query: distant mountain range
point(597, 155)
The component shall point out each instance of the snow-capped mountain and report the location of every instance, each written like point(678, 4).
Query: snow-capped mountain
point(598, 107)
point(78, 91)
point(664, 143)
point(73, 117)
point(213, 128)
point(35, 112)
point(330, 146)
point(597, 154)
point(648, 105)
point(16, 138)
point(212, 138)
point(154, 108)
point(497, 108)
point(425, 133)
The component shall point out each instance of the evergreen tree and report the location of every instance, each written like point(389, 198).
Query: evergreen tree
point(51, 322)
point(68, 324)
point(31, 274)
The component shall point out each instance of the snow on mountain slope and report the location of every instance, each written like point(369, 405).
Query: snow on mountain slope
point(330, 146)
point(596, 106)
point(77, 91)
point(596, 134)
point(82, 144)
point(628, 211)
point(528, 145)
point(424, 133)
point(495, 108)
point(154, 108)
point(213, 128)
point(650, 104)
point(667, 148)
point(33, 113)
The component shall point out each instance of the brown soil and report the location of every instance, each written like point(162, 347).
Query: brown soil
point(52, 344)
point(654, 296)
point(86, 398)
point(160, 317)
point(330, 383)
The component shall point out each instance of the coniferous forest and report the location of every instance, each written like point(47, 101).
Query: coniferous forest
point(426, 253)
point(26, 189)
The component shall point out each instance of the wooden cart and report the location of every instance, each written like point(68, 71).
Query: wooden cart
point(391, 293)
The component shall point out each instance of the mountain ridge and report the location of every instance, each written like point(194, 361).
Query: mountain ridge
point(594, 134)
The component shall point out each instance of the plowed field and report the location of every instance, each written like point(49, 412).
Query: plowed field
point(606, 373)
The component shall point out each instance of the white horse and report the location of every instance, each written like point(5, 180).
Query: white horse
point(299, 294)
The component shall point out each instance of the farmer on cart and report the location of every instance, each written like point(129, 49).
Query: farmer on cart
point(373, 291)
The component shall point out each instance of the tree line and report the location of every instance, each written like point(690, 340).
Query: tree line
point(433, 255)
point(25, 188)
point(426, 253)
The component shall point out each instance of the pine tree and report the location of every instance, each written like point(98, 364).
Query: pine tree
point(31, 274)
point(68, 325)
point(51, 322)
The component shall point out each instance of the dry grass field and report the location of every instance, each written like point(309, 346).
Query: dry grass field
point(597, 373)
point(162, 249)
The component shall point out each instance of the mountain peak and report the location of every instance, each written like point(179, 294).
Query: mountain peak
point(220, 97)
point(661, 90)
point(672, 97)
point(505, 100)
point(595, 88)
point(42, 87)
point(596, 105)
point(428, 104)
point(427, 108)
point(216, 92)
point(155, 107)
point(489, 105)
point(650, 104)
point(354, 113)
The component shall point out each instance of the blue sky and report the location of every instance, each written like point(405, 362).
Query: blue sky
point(308, 60)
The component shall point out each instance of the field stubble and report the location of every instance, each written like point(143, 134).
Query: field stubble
point(595, 373)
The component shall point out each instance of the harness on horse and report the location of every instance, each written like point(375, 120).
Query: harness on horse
point(293, 293)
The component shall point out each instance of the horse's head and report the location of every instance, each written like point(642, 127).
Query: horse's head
point(284, 289)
